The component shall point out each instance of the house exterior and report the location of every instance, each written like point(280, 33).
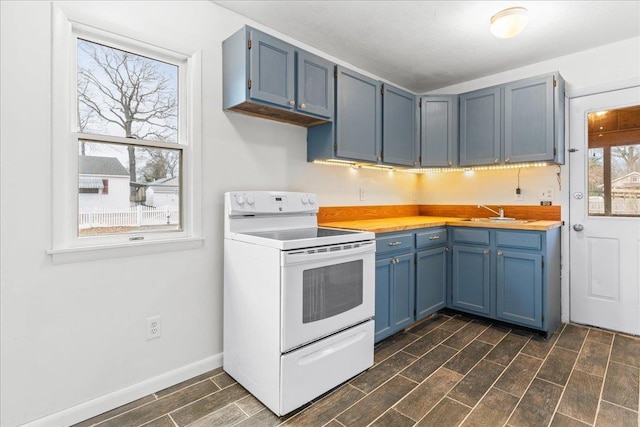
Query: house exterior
point(630, 181)
point(163, 192)
point(103, 184)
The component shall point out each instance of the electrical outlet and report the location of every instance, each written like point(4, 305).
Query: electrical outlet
point(547, 194)
point(153, 327)
point(415, 196)
point(362, 195)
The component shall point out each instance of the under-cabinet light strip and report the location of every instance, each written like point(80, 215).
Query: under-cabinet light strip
point(476, 168)
point(429, 170)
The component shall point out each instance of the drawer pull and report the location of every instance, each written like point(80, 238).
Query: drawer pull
point(395, 243)
point(434, 238)
point(499, 253)
point(486, 251)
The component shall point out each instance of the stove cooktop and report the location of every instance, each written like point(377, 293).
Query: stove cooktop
point(303, 237)
point(302, 233)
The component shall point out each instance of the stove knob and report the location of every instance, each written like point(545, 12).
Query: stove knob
point(305, 199)
point(240, 200)
point(250, 200)
point(312, 201)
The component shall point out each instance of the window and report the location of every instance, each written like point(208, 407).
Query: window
point(126, 150)
point(614, 162)
point(124, 97)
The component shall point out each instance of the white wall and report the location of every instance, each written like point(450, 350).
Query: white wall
point(73, 334)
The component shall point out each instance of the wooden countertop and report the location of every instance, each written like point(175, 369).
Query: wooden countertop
point(385, 225)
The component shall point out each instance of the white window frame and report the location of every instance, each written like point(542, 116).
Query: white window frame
point(66, 245)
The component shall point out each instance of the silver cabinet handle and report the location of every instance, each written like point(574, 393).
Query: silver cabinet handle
point(397, 243)
point(303, 106)
point(434, 237)
point(450, 162)
point(394, 260)
point(486, 251)
point(508, 159)
point(499, 253)
point(292, 102)
point(578, 227)
point(495, 160)
point(446, 249)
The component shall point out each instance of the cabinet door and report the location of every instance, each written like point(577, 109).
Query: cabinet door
point(271, 70)
point(471, 279)
point(480, 127)
point(529, 120)
point(519, 287)
point(403, 291)
point(398, 126)
point(359, 115)
point(431, 281)
point(438, 131)
point(394, 295)
point(384, 279)
point(315, 88)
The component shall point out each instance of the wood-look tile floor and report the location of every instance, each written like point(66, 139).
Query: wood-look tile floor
point(449, 370)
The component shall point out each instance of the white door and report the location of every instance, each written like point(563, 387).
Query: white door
point(604, 210)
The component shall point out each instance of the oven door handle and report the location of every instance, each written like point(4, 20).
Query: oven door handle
point(314, 254)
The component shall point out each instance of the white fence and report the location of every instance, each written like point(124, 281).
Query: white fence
point(135, 216)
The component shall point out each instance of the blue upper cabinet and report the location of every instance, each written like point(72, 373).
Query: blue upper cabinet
point(480, 127)
point(314, 89)
point(399, 126)
point(356, 132)
point(518, 122)
point(438, 131)
point(266, 77)
point(529, 120)
point(358, 116)
point(272, 67)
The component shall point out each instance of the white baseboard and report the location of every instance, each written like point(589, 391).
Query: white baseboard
point(113, 400)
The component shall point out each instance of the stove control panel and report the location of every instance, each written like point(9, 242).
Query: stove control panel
point(271, 202)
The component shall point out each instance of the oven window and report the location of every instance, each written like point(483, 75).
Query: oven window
point(330, 290)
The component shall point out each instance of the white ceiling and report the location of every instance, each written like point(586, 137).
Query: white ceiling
point(426, 45)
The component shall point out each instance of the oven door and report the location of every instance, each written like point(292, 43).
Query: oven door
point(326, 290)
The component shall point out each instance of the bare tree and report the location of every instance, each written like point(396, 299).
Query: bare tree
point(596, 172)
point(128, 94)
point(160, 164)
point(630, 156)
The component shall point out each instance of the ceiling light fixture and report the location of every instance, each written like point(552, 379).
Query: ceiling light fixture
point(509, 22)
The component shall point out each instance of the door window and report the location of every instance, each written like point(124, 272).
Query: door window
point(614, 162)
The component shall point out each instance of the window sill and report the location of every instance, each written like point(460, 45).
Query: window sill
point(94, 253)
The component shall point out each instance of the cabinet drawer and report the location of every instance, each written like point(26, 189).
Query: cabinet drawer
point(470, 235)
point(513, 239)
point(434, 237)
point(394, 242)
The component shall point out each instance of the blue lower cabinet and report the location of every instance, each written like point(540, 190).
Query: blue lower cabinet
point(471, 279)
point(504, 274)
point(431, 281)
point(519, 287)
point(508, 275)
point(395, 281)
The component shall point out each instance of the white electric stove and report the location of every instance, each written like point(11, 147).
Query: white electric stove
point(298, 298)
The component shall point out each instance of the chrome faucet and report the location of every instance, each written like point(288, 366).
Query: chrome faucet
point(500, 212)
